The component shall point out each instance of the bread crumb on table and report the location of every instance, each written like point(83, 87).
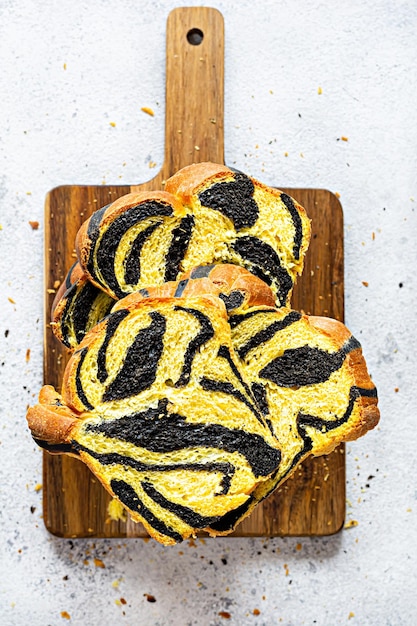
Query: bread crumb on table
point(149, 597)
point(351, 523)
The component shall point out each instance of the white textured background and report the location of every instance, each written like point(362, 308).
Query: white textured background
point(68, 69)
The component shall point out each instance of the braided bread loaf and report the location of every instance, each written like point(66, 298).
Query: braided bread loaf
point(194, 390)
point(207, 214)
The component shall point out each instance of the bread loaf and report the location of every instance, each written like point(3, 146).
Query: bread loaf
point(191, 415)
point(194, 389)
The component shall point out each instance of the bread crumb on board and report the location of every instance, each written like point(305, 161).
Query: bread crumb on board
point(116, 511)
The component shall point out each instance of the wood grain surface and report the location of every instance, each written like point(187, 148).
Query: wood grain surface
point(312, 501)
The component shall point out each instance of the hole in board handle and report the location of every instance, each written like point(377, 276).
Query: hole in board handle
point(195, 36)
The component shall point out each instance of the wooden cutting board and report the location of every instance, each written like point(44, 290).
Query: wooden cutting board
point(312, 502)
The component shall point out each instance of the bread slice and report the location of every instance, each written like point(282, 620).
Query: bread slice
point(312, 385)
point(155, 403)
point(207, 214)
point(137, 240)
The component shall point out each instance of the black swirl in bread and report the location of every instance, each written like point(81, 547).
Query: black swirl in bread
point(78, 306)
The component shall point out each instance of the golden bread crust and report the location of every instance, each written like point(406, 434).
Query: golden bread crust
point(51, 421)
point(74, 274)
point(227, 278)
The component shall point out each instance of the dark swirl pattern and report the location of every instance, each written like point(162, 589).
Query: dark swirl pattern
point(78, 307)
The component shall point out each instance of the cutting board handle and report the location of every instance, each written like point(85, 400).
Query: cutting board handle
point(194, 110)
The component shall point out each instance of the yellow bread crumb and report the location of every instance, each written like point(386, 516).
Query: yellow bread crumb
point(116, 511)
point(351, 523)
